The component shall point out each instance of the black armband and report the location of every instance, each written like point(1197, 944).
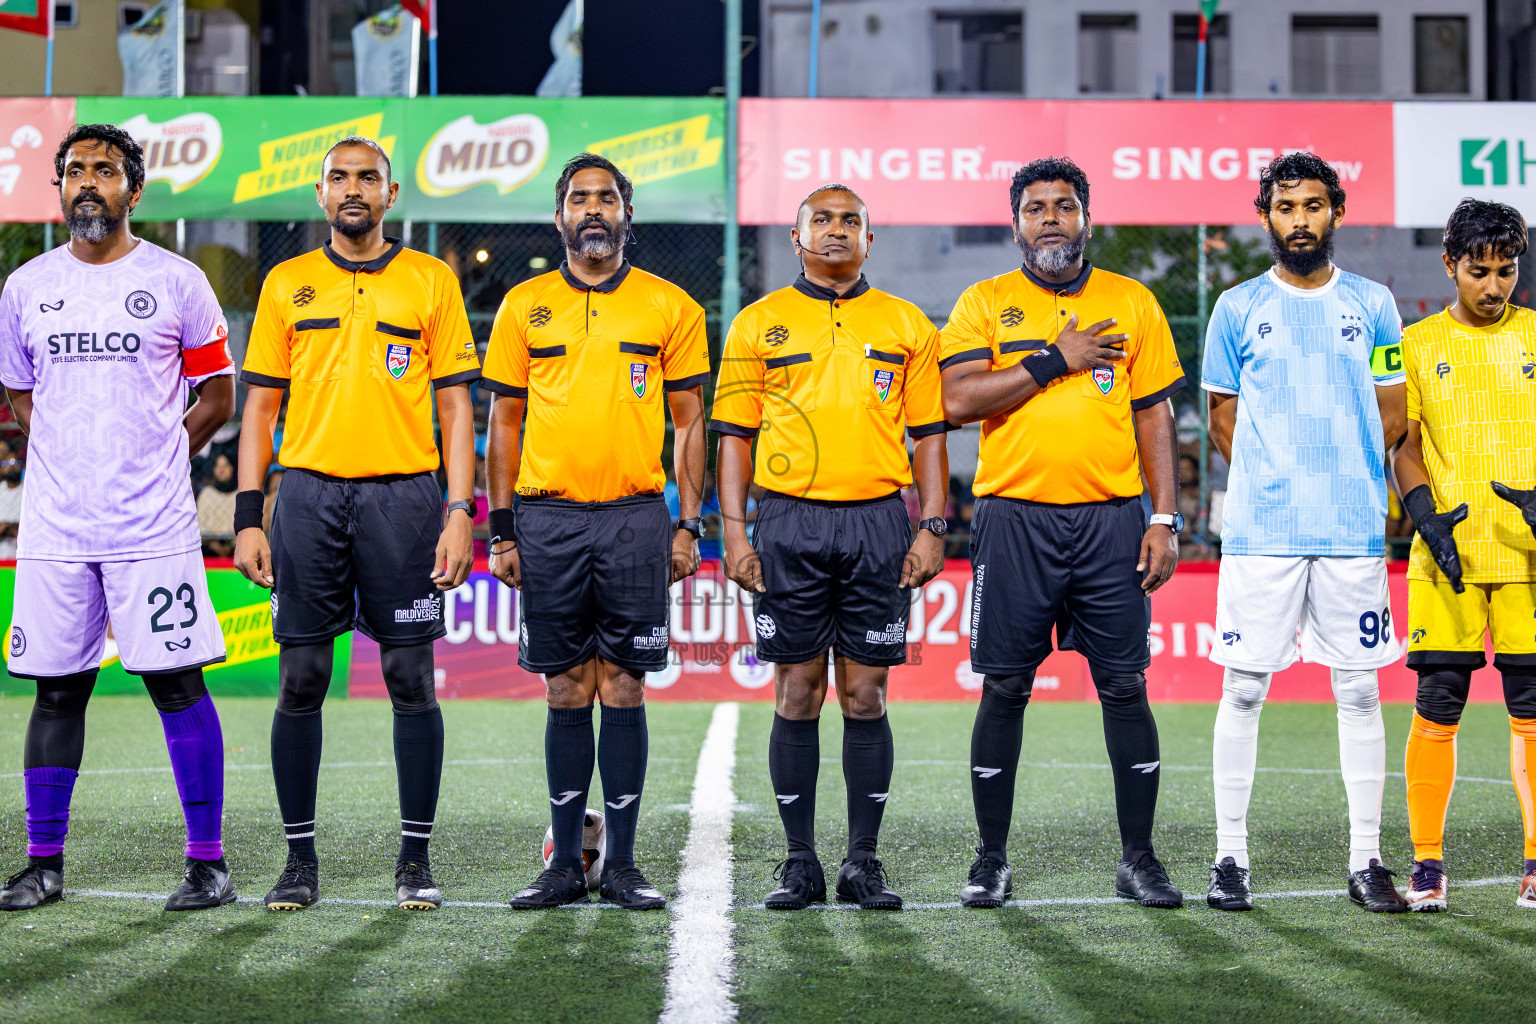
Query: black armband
point(249, 506)
point(1046, 365)
point(499, 521)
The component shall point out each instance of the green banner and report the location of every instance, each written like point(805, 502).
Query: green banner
point(457, 158)
point(245, 615)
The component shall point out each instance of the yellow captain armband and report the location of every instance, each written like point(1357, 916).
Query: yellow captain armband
point(1387, 361)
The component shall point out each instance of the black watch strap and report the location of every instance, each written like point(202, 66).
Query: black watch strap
point(694, 526)
point(937, 525)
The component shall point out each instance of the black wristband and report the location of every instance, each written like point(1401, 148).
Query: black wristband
point(1046, 365)
point(1419, 503)
point(249, 506)
point(499, 521)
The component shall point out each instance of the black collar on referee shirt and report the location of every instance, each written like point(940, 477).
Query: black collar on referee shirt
point(612, 284)
point(1071, 287)
point(816, 291)
point(372, 266)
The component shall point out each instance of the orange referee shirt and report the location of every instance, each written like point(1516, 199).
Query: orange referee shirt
point(593, 363)
point(826, 383)
point(360, 347)
point(1075, 441)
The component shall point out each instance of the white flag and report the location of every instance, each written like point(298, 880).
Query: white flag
point(385, 49)
point(152, 53)
point(564, 76)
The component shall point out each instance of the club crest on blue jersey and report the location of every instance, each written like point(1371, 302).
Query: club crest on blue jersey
point(397, 359)
point(883, 380)
point(637, 377)
point(1104, 377)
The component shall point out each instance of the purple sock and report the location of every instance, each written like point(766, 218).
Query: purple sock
point(48, 793)
point(196, 743)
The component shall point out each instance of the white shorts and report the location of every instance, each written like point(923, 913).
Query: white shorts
point(162, 619)
point(1339, 604)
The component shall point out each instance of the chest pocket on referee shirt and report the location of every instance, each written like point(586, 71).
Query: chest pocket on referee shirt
point(882, 374)
point(398, 353)
point(790, 383)
point(549, 375)
point(641, 368)
point(316, 353)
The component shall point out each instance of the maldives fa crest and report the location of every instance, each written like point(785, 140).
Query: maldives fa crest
point(883, 383)
point(637, 373)
point(397, 359)
point(1104, 377)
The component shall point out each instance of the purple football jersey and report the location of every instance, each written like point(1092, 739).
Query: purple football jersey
point(109, 353)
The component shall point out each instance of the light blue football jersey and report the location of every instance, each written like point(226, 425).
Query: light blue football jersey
point(1308, 462)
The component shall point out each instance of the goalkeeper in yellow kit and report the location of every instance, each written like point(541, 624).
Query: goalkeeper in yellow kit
point(1466, 471)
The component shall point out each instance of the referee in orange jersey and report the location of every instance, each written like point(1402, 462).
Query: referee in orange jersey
point(1072, 416)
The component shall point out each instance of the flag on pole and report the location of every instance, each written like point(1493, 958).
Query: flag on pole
point(426, 13)
point(1207, 12)
point(27, 16)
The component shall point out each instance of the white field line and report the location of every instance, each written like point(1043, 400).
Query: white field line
point(699, 976)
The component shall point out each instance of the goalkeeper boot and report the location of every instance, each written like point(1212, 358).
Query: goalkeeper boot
point(1371, 887)
point(1527, 897)
point(31, 887)
point(205, 884)
point(1427, 886)
point(1229, 886)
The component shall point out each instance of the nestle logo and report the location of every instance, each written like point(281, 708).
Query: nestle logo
point(539, 316)
point(777, 335)
point(304, 296)
point(1012, 316)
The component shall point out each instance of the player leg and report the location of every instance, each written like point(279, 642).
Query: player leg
point(59, 624)
point(794, 623)
point(1019, 571)
point(418, 734)
point(1347, 625)
point(558, 640)
point(870, 635)
point(313, 602)
point(1512, 607)
point(1109, 619)
point(1259, 600)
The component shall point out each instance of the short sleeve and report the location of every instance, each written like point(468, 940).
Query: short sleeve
point(506, 358)
point(968, 335)
point(1223, 364)
point(267, 351)
point(204, 333)
point(450, 344)
point(1411, 372)
point(1387, 345)
point(685, 356)
point(16, 370)
point(1154, 369)
point(738, 407)
point(922, 399)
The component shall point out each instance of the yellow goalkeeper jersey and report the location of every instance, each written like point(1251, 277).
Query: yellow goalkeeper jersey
point(1473, 392)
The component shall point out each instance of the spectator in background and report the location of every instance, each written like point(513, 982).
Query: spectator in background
point(10, 499)
point(216, 509)
point(274, 477)
point(957, 510)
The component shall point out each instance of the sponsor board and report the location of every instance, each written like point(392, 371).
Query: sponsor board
point(1447, 151)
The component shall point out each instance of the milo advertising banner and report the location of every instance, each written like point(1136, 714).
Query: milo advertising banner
point(475, 158)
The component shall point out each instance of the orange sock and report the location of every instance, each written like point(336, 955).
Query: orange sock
point(1431, 769)
point(1522, 751)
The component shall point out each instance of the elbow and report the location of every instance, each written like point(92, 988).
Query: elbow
point(955, 410)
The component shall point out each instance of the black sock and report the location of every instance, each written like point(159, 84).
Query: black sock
point(296, 741)
point(622, 749)
point(52, 862)
point(868, 753)
point(568, 757)
point(794, 759)
point(419, 771)
point(1130, 733)
point(995, 741)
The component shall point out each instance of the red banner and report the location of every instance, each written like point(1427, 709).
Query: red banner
point(30, 130)
point(1148, 161)
point(712, 648)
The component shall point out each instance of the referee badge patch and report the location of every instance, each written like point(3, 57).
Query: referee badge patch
point(397, 359)
point(883, 383)
point(1104, 378)
point(637, 373)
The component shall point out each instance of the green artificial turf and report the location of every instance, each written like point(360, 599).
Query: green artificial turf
point(1313, 958)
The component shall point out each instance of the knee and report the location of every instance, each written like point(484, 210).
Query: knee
point(800, 690)
point(65, 697)
point(864, 698)
point(409, 677)
point(1121, 692)
point(1008, 692)
point(303, 677)
point(1245, 691)
point(1355, 691)
point(173, 692)
point(1520, 693)
point(1442, 694)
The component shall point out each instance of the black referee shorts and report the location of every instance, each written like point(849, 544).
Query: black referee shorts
point(833, 573)
point(595, 577)
point(356, 553)
point(1071, 568)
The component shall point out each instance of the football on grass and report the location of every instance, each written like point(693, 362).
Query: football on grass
point(593, 834)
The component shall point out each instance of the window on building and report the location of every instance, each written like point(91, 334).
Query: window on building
point(1186, 53)
point(1106, 53)
point(978, 52)
point(1335, 55)
point(1440, 55)
point(66, 14)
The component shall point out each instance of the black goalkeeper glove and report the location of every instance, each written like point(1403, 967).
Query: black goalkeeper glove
point(1435, 528)
point(1525, 501)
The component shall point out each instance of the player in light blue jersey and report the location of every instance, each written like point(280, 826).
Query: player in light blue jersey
point(1305, 378)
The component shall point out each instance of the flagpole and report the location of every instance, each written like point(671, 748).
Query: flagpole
point(48, 91)
point(431, 91)
point(1202, 300)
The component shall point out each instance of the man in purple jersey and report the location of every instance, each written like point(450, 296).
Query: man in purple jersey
point(100, 341)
